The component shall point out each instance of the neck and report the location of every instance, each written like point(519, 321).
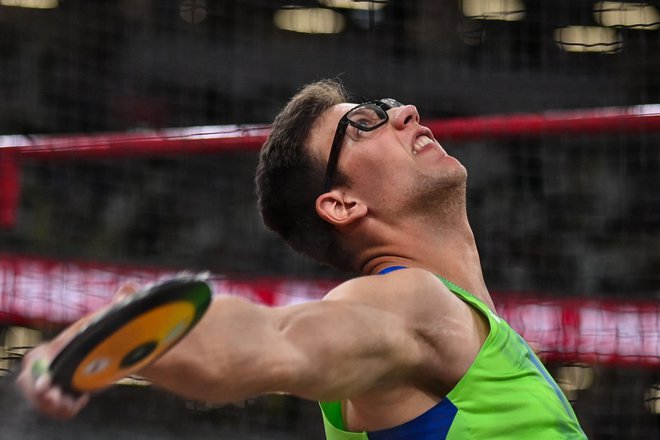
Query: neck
point(448, 250)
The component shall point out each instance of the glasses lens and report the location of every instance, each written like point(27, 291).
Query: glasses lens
point(367, 116)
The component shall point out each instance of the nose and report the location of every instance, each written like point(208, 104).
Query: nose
point(404, 116)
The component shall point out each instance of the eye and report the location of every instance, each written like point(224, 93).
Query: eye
point(363, 119)
point(366, 123)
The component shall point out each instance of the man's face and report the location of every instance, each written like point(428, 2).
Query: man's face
point(397, 160)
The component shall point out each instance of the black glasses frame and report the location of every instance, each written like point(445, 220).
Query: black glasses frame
point(380, 104)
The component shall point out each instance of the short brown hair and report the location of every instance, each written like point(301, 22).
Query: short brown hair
point(289, 178)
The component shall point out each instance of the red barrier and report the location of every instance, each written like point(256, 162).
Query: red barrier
point(226, 138)
point(37, 291)
point(9, 188)
point(567, 122)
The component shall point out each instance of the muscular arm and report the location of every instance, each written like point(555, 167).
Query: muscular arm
point(368, 333)
point(320, 350)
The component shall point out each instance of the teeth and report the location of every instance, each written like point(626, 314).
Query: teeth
point(420, 142)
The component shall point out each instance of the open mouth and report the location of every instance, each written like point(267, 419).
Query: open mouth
point(421, 142)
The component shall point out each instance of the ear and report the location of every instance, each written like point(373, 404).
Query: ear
point(339, 209)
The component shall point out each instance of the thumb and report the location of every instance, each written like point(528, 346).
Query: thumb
point(125, 290)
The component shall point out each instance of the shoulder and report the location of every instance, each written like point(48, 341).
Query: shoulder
point(416, 295)
point(399, 286)
point(450, 331)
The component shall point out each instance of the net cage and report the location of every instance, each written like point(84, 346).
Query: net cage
point(129, 134)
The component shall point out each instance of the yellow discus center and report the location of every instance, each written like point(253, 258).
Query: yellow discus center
point(139, 341)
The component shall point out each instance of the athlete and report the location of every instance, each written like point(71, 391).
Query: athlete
point(410, 349)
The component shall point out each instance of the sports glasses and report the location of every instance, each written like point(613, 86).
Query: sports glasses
point(367, 116)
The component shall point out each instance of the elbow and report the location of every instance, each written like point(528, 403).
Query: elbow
point(290, 371)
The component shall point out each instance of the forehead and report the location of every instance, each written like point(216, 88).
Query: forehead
point(323, 129)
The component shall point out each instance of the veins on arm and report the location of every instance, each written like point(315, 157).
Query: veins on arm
point(320, 350)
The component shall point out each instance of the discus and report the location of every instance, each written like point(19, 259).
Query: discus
point(130, 335)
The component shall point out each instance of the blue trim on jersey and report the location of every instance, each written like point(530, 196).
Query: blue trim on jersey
point(390, 269)
point(547, 377)
point(434, 424)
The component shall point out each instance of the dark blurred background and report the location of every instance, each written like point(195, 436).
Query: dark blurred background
point(574, 214)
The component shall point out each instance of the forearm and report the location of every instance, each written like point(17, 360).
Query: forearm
point(229, 356)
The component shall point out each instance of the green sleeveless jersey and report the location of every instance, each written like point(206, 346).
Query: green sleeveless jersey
point(505, 394)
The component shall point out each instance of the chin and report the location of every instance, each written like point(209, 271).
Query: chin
point(443, 189)
point(449, 177)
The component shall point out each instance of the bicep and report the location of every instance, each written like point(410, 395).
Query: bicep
point(345, 348)
point(438, 334)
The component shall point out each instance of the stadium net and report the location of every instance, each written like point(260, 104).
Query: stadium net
point(96, 188)
point(570, 257)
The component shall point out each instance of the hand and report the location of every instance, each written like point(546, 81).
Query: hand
point(35, 381)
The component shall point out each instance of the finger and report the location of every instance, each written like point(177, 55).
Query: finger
point(68, 406)
point(35, 382)
point(34, 379)
point(42, 384)
point(39, 368)
point(55, 403)
point(34, 389)
point(125, 290)
point(35, 364)
point(80, 403)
